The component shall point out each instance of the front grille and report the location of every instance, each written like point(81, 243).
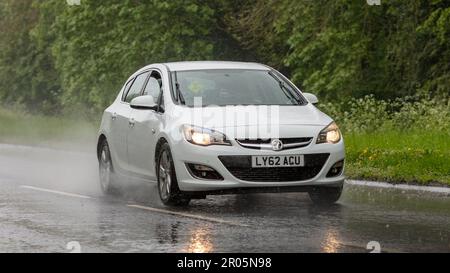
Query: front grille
point(265, 144)
point(241, 168)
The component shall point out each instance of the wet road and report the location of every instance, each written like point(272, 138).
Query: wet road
point(50, 198)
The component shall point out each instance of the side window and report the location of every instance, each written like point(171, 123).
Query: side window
point(136, 88)
point(125, 89)
point(154, 86)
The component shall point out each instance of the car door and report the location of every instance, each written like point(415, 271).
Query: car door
point(142, 136)
point(120, 123)
point(118, 114)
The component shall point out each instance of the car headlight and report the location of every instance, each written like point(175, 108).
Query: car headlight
point(204, 137)
point(330, 134)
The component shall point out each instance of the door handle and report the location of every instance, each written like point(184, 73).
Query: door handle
point(131, 122)
point(114, 116)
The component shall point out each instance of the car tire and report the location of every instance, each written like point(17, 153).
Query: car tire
point(168, 189)
point(106, 170)
point(325, 195)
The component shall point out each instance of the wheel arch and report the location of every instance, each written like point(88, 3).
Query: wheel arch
point(100, 141)
point(159, 144)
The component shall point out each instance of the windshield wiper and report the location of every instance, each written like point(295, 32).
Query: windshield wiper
point(177, 86)
point(285, 90)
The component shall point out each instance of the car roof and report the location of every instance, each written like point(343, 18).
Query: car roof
point(204, 65)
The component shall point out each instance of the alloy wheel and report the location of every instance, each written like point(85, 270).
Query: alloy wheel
point(105, 169)
point(165, 175)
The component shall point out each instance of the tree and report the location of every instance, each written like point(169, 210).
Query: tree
point(27, 75)
point(54, 56)
point(98, 45)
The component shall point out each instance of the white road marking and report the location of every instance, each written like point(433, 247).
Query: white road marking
point(431, 189)
point(188, 215)
point(193, 216)
point(56, 192)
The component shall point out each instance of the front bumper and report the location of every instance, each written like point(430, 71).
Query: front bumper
point(184, 152)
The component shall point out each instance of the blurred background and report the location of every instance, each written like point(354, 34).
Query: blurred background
point(382, 71)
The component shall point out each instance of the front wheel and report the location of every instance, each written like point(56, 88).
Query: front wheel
point(106, 170)
point(325, 195)
point(168, 189)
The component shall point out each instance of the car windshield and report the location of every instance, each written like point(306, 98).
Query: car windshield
point(233, 87)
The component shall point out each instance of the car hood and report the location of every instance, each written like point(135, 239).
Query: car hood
point(221, 117)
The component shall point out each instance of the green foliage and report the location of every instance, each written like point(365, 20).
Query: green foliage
point(369, 115)
point(346, 48)
point(402, 140)
point(251, 23)
point(98, 45)
point(26, 70)
point(54, 57)
point(399, 156)
point(434, 33)
point(21, 127)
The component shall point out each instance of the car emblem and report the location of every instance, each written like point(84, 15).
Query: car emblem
point(277, 145)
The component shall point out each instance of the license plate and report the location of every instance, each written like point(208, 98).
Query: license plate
point(262, 161)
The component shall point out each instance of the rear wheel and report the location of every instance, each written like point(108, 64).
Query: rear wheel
point(168, 189)
point(325, 195)
point(106, 169)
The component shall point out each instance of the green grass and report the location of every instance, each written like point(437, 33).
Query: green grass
point(419, 157)
point(57, 132)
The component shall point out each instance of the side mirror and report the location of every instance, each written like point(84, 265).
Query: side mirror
point(311, 98)
point(144, 103)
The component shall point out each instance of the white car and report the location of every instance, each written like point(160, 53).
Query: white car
point(203, 128)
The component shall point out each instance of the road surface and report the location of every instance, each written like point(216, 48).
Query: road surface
point(50, 199)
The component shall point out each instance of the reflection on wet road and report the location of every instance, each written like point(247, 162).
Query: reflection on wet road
point(49, 198)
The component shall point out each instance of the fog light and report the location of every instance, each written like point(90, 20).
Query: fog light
point(336, 169)
point(203, 172)
point(202, 168)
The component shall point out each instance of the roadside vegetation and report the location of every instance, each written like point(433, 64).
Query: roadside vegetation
point(69, 133)
point(55, 56)
point(404, 140)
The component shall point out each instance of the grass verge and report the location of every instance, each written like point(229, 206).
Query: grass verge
point(17, 127)
point(399, 157)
